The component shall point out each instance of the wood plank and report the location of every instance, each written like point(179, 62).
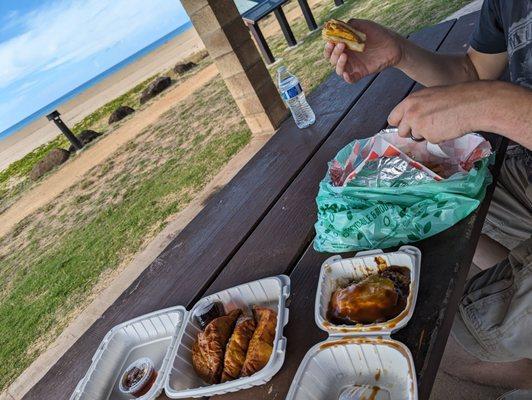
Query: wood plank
point(278, 226)
point(192, 260)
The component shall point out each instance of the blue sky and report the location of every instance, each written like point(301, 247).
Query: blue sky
point(49, 47)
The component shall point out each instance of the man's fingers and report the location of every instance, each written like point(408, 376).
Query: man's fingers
point(347, 78)
point(403, 129)
point(340, 65)
point(328, 50)
point(336, 53)
point(396, 115)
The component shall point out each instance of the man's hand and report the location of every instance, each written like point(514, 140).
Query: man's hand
point(382, 50)
point(439, 113)
point(447, 112)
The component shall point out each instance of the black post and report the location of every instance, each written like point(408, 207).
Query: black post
point(285, 27)
point(307, 13)
point(338, 3)
point(261, 42)
point(55, 116)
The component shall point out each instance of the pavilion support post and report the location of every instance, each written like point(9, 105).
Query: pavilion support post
point(229, 44)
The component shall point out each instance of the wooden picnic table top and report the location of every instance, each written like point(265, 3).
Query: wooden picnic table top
point(261, 224)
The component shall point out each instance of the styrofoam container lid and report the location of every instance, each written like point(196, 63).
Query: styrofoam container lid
point(183, 382)
point(331, 366)
point(337, 269)
point(363, 354)
point(149, 336)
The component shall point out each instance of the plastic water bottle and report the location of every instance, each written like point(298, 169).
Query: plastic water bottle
point(294, 97)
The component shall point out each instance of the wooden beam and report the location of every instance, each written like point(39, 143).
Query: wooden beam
point(229, 44)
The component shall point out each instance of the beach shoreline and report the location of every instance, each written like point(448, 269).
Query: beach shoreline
point(41, 131)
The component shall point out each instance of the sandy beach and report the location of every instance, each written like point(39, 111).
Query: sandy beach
point(41, 131)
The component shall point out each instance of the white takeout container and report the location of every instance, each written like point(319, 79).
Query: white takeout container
point(149, 335)
point(182, 381)
point(166, 337)
point(359, 354)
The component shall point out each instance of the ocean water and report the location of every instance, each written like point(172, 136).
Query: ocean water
point(53, 105)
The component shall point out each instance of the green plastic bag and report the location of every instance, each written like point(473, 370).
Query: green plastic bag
point(352, 218)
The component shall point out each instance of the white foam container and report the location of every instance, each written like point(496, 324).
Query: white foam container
point(359, 354)
point(182, 381)
point(166, 337)
point(150, 336)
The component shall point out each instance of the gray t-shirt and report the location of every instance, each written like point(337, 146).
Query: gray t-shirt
point(506, 25)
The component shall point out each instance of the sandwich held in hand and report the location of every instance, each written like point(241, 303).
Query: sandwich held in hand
point(337, 31)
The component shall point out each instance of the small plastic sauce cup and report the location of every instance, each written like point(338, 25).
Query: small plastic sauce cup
point(138, 378)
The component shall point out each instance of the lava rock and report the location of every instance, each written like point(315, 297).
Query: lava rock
point(157, 86)
point(120, 113)
point(85, 137)
point(51, 160)
point(181, 68)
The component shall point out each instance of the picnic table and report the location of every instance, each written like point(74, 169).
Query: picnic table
point(261, 224)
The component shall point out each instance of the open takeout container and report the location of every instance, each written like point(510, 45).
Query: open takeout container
point(362, 355)
point(166, 337)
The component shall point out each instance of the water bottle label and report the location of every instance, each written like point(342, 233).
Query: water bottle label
point(292, 92)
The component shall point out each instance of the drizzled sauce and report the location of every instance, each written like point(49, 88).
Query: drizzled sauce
point(378, 375)
point(374, 392)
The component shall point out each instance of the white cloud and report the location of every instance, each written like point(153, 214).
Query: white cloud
point(72, 31)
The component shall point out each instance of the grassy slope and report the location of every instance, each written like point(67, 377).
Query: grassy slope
point(51, 262)
point(93, 229)
point(19, 170)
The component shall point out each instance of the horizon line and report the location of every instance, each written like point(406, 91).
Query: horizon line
point(91, 82)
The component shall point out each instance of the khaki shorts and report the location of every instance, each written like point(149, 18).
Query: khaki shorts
point(509, 219)
point(494, 319)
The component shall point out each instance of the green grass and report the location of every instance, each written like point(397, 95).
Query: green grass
point(52, 261)
point(104, 220)
point(73, 266)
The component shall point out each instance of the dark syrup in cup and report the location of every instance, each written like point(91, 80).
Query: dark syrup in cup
point(138, 378)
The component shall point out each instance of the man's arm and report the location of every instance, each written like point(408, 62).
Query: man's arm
point(432, 69)
point(385, 48)
point(509, 114)
point(443, 113)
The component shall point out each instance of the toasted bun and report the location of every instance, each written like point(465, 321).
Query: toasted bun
point(337, 31)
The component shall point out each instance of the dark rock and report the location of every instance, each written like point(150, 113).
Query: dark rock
point(181, 68)
point(85, 137)
point(120, 113)
point(51, 160)
point(157, 86)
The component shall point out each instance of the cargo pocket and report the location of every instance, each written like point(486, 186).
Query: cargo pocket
point(486, 309)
